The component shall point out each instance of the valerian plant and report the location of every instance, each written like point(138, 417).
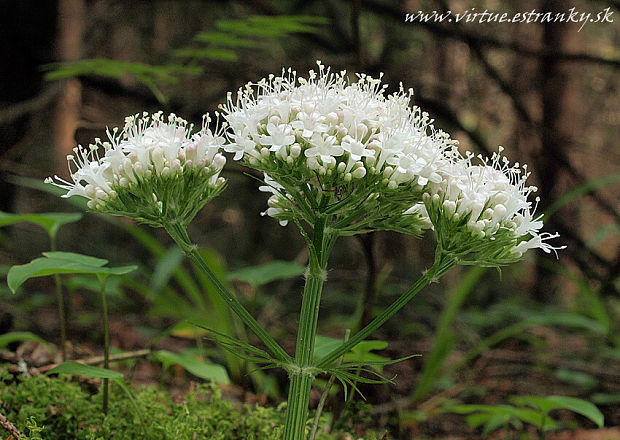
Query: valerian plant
point(339, 158)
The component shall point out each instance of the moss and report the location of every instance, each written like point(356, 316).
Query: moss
point(59, 408)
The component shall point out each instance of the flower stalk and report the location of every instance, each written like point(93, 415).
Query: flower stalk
point(179, 234)
point(302, 375)
point(443, 264)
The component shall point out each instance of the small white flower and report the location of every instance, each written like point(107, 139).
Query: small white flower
point(324, 147)
point(279, 136)
point(310, 124)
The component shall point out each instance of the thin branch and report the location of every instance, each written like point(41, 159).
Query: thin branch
point(12, 112)
point(10, 427)
point(558, 155)
point(89, 361)
point(487, 41)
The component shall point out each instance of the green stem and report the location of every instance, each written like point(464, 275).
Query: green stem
point(441, 266)
point(321, 405)
point(106, 345)
point(302, 375)
point(61, 306)
point(179, 235)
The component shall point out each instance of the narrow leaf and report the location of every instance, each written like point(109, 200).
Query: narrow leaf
point(11, 337)
point(266, 273)
point(196, 367)
point(79, 369)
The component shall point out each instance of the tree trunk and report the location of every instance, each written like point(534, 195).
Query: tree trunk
point(71, 17)
point(559, 95)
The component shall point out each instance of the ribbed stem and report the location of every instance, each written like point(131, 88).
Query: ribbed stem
point(297, 407)
point(441, 266)
point(301, 376)
point(179, 234)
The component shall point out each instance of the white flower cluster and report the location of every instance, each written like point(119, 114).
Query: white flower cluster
point(325, 132)
point(334, 128)
point(149, 149)
point(489, 198)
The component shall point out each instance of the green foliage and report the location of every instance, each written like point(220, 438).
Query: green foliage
point(265, 273)
point(79, 369)
point(252, 33)
point(63, 409)
point(444, 336)
point(533, 410)
point(152, 76)
point(196, 366)
point(9, 338)
point(50, 221)
point(255, 33)
point(549, 403)
point(272, 26)
point(62, 263)
point(361, 353)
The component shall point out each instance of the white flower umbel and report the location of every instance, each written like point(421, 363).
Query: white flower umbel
point(481, 212)
point(337, 148)
point(154, 170)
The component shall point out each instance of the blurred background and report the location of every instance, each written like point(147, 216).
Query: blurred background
point(548, 93)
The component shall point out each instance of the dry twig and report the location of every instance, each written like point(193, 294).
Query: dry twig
point(9, 427)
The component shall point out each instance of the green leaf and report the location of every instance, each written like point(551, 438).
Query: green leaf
point(272, 26)
point(71, 257)
point(196, 367)
point(61, 263)
point(589, 301)
point(213, 53)
point(11, 337)
point(165, 268)
point(606, 399)
point(360, 355)
point(564, 319)
point(578, 378)
point(79, 369)
point(550, 403)
point(505, 411)
point(50, 221)
point(224, 39)
point(444, 337)
point(266, 273)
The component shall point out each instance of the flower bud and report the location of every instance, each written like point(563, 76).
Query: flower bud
point(312, 163)
point(218, 161)
point(331, 118)
point(359, 173)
